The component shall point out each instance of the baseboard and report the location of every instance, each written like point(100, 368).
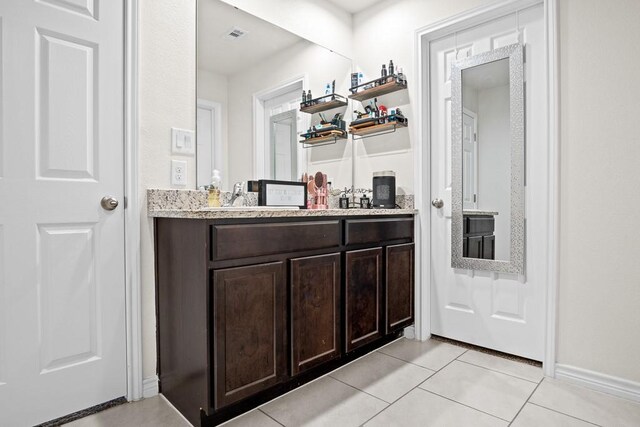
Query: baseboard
point(150, 387)
point(600, 382)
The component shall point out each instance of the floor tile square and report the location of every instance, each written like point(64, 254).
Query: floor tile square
point(150, 412)
point(536, 416)
point(255, 418)
point(324, 402)
point(382, 376)
point(585, 404)
point(420, 408)
point(506, 366)
point(430, 354)
point(487, 391)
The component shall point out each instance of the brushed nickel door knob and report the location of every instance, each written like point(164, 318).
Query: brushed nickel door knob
point(109, 203)
point(437, 203)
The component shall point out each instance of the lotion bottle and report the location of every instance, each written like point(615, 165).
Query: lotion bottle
point(214, 190)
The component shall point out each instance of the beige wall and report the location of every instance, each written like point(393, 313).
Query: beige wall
point(599, 290)
point(167, 99)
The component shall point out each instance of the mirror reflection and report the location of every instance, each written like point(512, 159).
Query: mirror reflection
point(486, 161)
point(251, 76)
point(487, 180)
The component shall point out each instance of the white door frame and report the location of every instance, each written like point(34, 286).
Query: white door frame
point(132, 205)
point(423, 37)
point(218, 150)
point(259, 122)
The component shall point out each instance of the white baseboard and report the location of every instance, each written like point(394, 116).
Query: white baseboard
point(600, 382)
point(150, 387)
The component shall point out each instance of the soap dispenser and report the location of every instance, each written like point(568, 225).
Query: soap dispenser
point(214, 189)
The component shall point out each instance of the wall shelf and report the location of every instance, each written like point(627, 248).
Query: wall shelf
point(318, 106)
point(389, 87)
point(375, 130)
point(327, 139)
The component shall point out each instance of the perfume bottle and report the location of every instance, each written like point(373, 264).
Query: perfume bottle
point(213, 198)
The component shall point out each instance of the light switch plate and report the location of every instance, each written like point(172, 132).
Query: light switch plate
point(183, 141)
point(178, 172)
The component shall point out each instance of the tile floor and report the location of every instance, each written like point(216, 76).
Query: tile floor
point(409, 383)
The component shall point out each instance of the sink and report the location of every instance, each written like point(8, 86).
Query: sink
point(252, 208)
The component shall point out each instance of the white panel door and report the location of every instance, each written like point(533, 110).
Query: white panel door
point(62, 293)
point(500, 311)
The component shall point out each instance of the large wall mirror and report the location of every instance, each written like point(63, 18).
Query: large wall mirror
point(488, 128)
point(251, 75)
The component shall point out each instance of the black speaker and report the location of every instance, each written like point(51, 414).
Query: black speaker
point(384, 189)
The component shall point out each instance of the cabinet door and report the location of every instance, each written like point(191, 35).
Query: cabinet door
point(249, 330)
point(363, 294)
point(489, 247)
point(315, 311)
point(399, 286)
point(475, 247)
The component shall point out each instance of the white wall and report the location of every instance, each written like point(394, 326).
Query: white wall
point(318, 21)
point(494, 163)
point(167, 99)
point(318, 66)
point(391, 25)
point(599, 290)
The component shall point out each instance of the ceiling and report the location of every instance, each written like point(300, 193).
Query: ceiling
point(224, 56)
point(354, 6)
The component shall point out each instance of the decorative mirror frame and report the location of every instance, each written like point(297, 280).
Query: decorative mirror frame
point(517, 131)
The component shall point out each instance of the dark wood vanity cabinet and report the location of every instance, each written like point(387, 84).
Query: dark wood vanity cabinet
point(249, 309)
point(400, 285)
point(478, 238)
point(363, 297)
point(315, 311)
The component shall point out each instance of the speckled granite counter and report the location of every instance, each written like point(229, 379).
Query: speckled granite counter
point(192, 204)
point(272, 213)
point(478, 212)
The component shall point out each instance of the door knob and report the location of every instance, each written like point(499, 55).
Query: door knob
point(109, 203)
point(437, 203)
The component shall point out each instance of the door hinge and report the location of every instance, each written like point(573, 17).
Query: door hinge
point(475, 137)
point(474, 199)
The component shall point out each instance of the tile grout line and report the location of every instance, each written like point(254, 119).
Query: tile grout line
point(464, 404)
point(525, 403)
point(408, 362)
point(417, 386)
point(562, 413)
point(365, 392)
point(278, 422)
point(500, 372)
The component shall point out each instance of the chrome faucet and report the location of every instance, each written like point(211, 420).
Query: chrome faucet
point(238, 191)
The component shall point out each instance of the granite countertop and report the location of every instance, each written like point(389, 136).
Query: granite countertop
point(478, 212)
point(248, 212)
point(193, 204)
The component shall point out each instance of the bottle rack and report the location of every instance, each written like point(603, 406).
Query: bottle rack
point(375, 130)
point(323, 103)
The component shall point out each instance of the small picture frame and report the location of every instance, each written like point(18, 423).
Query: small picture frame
point(282, 193)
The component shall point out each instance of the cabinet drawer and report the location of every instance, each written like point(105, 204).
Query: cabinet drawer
point(251, 240)
point(359, 231)
point(481, 225)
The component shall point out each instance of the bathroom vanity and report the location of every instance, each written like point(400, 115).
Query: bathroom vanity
point(252, 305)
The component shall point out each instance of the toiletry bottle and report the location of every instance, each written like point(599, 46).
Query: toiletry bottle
point(214, 190)
point(304, 97)
point(383, 72)
point(401, 78)
point(391, 67)
point(309, 97)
